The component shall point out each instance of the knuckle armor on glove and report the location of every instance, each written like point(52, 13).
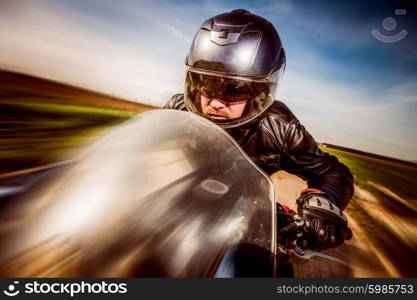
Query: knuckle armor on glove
point(325, 224)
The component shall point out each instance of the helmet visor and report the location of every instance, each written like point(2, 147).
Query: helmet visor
point(226, 89)
point(227, 100)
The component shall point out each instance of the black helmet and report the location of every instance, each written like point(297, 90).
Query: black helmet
point(234, 57)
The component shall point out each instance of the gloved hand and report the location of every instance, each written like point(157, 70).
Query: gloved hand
point(325, 224)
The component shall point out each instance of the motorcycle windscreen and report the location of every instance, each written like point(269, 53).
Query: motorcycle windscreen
point(164, 194)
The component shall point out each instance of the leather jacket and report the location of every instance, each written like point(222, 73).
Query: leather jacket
point(277, 141)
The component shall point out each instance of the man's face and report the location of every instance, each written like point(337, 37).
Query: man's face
point(219, 110)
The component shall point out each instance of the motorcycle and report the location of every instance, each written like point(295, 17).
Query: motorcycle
point(166, 194)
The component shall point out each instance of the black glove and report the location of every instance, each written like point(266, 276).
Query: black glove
point(325, 225)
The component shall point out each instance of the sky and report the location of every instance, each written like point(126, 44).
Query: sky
point(346, 86)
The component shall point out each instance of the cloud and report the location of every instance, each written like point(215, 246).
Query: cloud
point(52, 41)
point(343, 115)
point(176, 32)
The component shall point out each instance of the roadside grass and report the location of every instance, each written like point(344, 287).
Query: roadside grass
point(34, 133)
point(401, 179)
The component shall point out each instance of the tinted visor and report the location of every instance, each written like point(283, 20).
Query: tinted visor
point(226, 89)
point(202, 87)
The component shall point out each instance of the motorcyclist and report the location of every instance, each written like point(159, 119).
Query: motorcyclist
point(233, 68)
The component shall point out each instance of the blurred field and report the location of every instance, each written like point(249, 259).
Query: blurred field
point(42, 121)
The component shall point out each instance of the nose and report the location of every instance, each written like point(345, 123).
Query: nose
point(217, 104)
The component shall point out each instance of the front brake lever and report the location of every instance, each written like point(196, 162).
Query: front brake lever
point(309, 254)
